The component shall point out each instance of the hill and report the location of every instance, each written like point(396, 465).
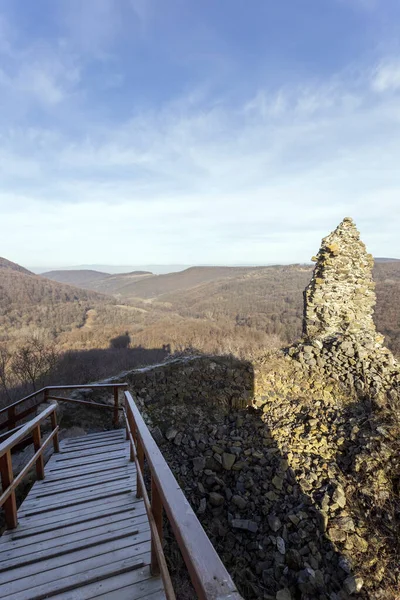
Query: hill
point(104, 283)
point(31, 304)
point(380, 259)
point(142, 284)
point(7, 265)
point(77, 277)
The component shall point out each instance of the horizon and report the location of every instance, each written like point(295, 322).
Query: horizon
point(208, 133)
point(161, 269)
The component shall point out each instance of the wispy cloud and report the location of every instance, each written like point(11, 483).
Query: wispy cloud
point(387, 76)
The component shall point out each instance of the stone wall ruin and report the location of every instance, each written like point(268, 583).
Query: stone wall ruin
point(340, 337)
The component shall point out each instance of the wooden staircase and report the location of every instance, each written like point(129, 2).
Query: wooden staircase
point(82, 533)
point(88, 527)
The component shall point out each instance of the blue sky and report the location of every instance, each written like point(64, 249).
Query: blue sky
point(212, 132)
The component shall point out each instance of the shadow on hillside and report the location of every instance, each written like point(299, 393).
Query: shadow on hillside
point(84, 366)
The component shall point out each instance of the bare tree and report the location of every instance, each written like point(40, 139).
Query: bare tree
point(7, 377)
point(33, 361)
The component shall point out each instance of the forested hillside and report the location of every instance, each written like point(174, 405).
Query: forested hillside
point(79, 277)
point(222, 310)
point(31, 304)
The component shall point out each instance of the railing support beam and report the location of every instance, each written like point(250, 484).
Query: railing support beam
point(37, 444)
point(157, 510)
point(116, 408)
point(7, 478)
point(56, 441)
point(140, 455)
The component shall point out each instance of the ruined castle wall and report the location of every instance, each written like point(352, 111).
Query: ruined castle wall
point(340, 297)
point(340, 338)
point(222, 381)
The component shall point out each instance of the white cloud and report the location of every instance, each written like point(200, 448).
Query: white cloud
point(34, 72)
point(387, 77)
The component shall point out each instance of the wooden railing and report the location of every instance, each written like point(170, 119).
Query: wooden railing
point(210, 579)
point(13, 417)
point(9, 483)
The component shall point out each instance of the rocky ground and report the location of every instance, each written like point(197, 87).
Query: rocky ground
point(300, 493)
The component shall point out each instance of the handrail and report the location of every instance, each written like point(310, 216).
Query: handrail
point(13, 416)
point(9, 483)
point(209, 577)
point(63, 387)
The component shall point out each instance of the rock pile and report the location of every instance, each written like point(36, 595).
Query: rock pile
point(340, 337)
point(287, 490)
point(221, 380)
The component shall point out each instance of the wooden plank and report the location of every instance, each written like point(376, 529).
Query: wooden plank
point(92, 448)
point(95, 436)
point(97, 508)
point(122, 587)
point(82, 479)
point(78, 500)
point(118, 557)
point(76, 494)
point(63, 489)
point(71, 459)
point(131, 518)
point(159, 595)
point(74, 503)
point(113, 530)
point(88, 470)
point(34, 526)
point(85, 469)
point(78, 580)
point(79, 556)
point(87, 463)
point(15, 561)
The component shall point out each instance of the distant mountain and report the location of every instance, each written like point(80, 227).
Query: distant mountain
point(75, 277)
point(114, 269)
point(380, 259)
point(128, 286)
point(103, 283)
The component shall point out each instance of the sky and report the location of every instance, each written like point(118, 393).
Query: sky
point(212, 132)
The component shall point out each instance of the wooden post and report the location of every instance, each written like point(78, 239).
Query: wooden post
point(116, 414)
point(12, 421)
point(127, 417)
point(132, 426)
point(37, 443)
point(45, 395)
point(7, 477)
point(56, 442)
point(157, 510)
point(140, 455)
